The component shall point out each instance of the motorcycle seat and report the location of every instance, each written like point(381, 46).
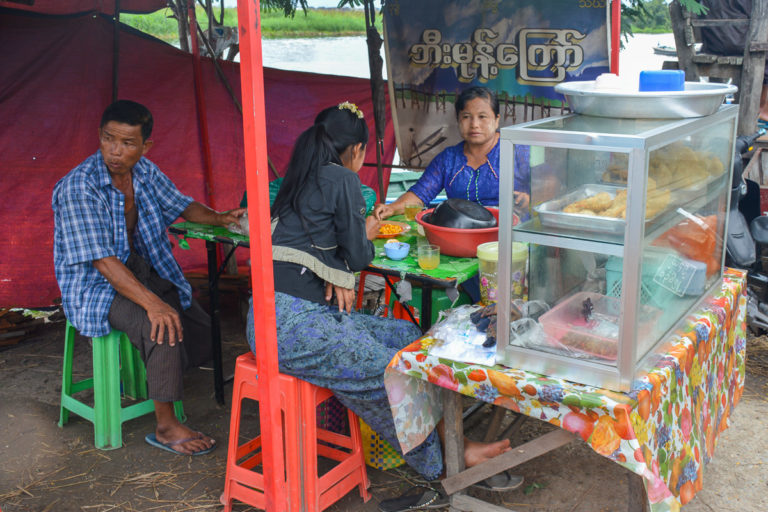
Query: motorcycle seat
point(759, 229)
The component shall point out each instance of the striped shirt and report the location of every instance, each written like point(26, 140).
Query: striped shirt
point(89, 224)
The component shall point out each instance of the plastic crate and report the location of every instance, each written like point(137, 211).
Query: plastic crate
point(650, 292)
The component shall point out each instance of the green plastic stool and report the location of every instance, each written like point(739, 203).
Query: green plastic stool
point(115, 361)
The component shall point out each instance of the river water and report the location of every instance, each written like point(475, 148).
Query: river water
point(348, 56)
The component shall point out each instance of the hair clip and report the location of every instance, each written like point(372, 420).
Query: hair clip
point(352, 108)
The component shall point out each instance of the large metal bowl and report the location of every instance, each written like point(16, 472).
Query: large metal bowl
point(697, 100)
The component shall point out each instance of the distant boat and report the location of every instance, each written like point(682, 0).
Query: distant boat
point(670, 51)
point(663, 49)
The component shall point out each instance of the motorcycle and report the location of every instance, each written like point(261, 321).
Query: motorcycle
point(747, 234)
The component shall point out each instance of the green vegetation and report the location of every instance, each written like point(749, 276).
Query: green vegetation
point(315, 23)
point(656, 19)
point(158, 24)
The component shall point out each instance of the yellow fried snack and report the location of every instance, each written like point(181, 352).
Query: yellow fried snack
point(674, 166)
point(657, 201)
point(571, 209)
point(596, 203)
point(390, 229)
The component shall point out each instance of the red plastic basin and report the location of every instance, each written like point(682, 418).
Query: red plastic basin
point(459, 242)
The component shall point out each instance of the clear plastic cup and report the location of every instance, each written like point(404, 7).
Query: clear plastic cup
point(411, 210)
point(428, 256)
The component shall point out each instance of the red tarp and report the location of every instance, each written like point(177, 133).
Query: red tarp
point(77, 6)
point(55, 83)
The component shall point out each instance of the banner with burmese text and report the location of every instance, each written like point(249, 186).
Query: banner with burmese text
point(521, 49)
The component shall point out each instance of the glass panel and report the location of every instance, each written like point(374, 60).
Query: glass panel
point(682, 253)
point(601, 125)
point(573, 195)
point(567, 298)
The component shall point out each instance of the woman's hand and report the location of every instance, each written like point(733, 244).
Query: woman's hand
point(344, 296)
point(521, 200)
point(371, 227)
point(382, 211)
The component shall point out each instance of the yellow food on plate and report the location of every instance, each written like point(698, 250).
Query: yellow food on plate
point(390, 229)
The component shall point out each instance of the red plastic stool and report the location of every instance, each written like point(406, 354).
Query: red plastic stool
point(303, 441)
point(361, 291)
point(398, 310)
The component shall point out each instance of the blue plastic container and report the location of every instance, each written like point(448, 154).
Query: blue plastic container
point(662, 80)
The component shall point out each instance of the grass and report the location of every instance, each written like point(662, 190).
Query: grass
point(315, 23)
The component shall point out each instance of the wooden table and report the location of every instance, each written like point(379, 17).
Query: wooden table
point(213, 235)
point(664, 430)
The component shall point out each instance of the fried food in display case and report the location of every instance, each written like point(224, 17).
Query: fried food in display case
point(632, 218)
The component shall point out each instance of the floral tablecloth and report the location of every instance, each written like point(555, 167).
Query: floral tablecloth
point(665, 429)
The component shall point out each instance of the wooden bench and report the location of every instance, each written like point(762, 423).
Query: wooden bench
point(746, 71)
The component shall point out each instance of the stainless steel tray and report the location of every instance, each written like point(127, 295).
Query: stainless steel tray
point(697, 100)
point(551, 212)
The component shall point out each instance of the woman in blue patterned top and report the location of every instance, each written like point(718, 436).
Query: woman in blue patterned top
point(470, 169)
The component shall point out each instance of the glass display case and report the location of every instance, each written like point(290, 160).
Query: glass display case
point(625, 228)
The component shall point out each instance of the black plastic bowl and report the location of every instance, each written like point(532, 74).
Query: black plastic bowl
point(461, 214)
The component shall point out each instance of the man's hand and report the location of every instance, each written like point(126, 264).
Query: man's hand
point(164, 319)
point(382, 211)
point(371, 227)
point(231, 216)
point(344, 296)
point(201, 214)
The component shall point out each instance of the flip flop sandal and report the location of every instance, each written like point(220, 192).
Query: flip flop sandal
point(504, 481)
point(419, 498)
point(152, 440)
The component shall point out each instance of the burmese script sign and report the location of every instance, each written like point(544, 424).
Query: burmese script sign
point(521, 49)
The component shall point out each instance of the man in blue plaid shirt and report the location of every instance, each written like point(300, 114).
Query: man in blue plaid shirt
point(115, 268)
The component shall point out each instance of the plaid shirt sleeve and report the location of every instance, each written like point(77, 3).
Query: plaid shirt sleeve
point(170, 200)
point(85, 227)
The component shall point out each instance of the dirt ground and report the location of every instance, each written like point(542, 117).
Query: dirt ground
point(44, 468)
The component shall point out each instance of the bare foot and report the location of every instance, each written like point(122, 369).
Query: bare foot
point(169, 433)
point(476, 453)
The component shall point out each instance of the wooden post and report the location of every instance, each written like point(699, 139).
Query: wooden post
point(752, 68)
point(255, 141)
point(684, 51)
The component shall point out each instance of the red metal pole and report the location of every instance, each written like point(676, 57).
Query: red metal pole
point(615, 35)
point(257, 185)
point(202, 112)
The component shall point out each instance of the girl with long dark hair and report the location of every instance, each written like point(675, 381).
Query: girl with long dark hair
point(320, 238)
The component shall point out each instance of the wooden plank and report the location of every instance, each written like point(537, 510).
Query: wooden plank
point(493, 426)
point(469, 504)
point(722, 21)
point(523, 453)
point(513, 427)
point(454, 431)
point(752, 71)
